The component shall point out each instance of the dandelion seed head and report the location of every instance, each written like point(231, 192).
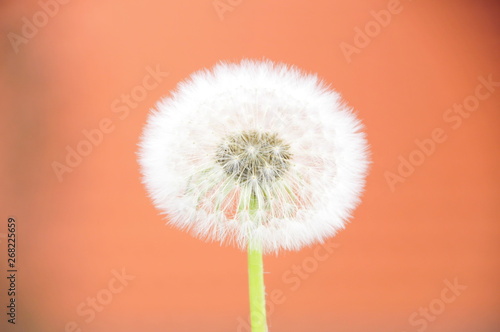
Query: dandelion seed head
point(255, 151)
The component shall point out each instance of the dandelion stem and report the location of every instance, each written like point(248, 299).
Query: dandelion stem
point(256, 290)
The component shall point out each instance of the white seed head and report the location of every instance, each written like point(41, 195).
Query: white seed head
point(254, 151)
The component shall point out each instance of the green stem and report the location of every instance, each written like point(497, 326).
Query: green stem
point(256, 289)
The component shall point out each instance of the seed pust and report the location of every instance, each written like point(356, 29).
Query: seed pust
point(254, 156)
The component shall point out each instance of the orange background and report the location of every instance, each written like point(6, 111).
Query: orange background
point(441, 223)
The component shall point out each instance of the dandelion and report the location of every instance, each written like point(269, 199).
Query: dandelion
point(258, 155)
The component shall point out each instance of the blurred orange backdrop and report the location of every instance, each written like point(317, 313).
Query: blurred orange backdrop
point(416, 71)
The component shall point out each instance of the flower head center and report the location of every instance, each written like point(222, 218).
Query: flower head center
point(254, 156)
